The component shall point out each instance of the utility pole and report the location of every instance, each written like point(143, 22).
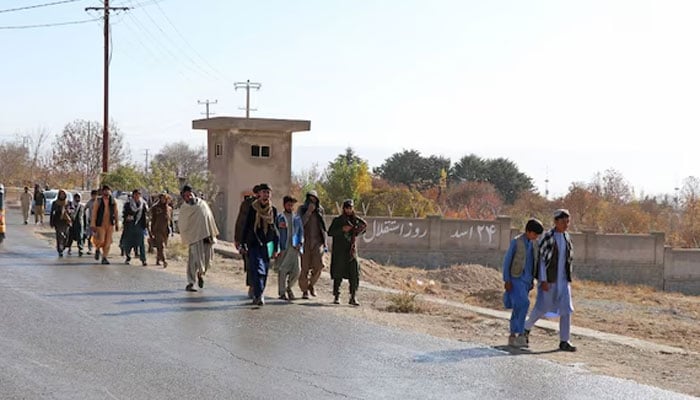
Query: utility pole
point(206, 103)
point(146, 169)
point(105, 127)
point(247, 85)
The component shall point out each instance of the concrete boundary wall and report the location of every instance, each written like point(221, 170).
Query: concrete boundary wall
point(434, 242)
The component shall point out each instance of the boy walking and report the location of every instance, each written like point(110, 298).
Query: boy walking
point(518, 273)
point(291, 233)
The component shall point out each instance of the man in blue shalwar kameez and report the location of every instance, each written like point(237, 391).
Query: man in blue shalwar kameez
point(261, 240)
point(518, 274)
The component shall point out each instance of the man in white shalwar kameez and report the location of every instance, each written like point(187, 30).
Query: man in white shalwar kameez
point(197, 230)
point(554, 276)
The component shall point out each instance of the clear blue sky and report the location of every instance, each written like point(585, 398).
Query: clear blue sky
point(565, 89)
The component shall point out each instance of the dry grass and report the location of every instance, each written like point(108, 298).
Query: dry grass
point(404, 302)
point(632, 310)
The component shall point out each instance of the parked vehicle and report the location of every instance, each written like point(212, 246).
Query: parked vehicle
point(2, 212)
point(51, 196)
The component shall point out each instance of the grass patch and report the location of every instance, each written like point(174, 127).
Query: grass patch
point(404, 302)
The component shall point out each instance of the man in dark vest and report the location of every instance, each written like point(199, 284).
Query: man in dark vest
point(104, 223)
point(554, 276)
point(238, 239)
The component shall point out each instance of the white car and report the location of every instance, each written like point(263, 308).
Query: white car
point(51, 196)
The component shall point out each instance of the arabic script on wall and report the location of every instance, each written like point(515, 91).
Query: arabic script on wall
point(485, 233)
point(404, 230)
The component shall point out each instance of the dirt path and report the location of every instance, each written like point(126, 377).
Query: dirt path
point(633, 311)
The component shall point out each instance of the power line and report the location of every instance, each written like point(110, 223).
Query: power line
point(175, 45)
point(49, 24)
point(184, 40)
point(37, 6)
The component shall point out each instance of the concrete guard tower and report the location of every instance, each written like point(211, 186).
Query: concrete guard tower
point(243, 152)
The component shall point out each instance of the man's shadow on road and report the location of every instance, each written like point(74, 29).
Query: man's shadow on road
point(514, 351)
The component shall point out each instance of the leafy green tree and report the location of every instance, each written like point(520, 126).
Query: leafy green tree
point(502, 173)
point(125, 178)
point(410, 168)
point(345, 177)
point(470, 168)
point(397, 202)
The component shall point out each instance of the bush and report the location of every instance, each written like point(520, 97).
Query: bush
point(404, 302)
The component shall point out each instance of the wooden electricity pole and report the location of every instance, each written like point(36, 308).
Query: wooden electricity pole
point(105, 124)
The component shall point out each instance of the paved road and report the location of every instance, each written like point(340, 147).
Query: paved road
point(72, 329)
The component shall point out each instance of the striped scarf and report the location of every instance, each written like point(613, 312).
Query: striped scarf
point(547, 244)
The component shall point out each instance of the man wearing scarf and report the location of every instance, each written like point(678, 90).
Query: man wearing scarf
point(198, 231)
point(238, 239)
point(60, 221)
point(261, 241)
point(311, 214)
point(134, 214)
point(344, 230)
point(77, 229)
point(103, 222)
point(554, 276)
point(161, 215)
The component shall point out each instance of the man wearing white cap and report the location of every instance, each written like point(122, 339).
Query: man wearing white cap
point(554, 276)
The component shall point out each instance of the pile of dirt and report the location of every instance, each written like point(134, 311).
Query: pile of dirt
point(463, 281)
point(469, 278)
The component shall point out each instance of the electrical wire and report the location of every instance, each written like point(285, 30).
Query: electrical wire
point(37, 6)
point(49, 24)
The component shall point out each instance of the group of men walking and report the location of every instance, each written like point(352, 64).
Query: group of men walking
point(96, 221)
point(296, 241)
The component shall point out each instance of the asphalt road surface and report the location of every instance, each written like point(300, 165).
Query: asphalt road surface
point(73, 329)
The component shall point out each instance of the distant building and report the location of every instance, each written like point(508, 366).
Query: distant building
point(243, 152)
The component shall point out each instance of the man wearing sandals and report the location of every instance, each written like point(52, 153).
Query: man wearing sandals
point(198, 231)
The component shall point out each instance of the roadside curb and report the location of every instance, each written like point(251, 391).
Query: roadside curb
point(228, 250)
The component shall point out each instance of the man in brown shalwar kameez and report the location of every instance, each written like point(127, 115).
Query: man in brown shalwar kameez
point(161, 215)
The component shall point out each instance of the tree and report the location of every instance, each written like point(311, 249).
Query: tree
point(306, 180)
point(14, 163)
point(125, 178)
point(396, 202)
point(471, 168)
point(530, 205)
point(345, 177)
point(476, 200)
point(502, 173)
point(77, 151)
point(584, 204)
point(413, 170)
point(612, 186)
point(187, 162)
point(178, 163)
